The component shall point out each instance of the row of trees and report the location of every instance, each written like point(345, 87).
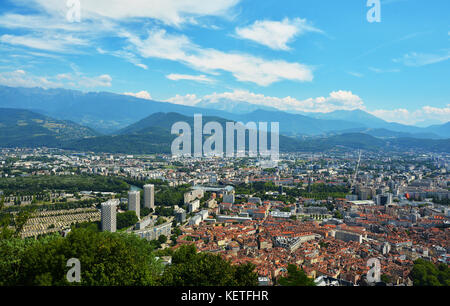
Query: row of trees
point(190, 268)
point(171, 196)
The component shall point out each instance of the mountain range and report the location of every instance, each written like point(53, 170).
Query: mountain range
point(155, 130)
point(108, 113)
point(105, 112)
point(23, 128)
point(106, 122)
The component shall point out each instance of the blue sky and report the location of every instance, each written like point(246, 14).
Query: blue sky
point(294, 55)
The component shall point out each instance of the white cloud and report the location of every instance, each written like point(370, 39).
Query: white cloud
point(103, 18)
point(422, 59)
point(244, 67)
point(50, 30)
point(54, 22)
point(142, 95)
point(104, 80)
point(57, 42)
point(197, 78)
point(171, 12)
point(159, 44)
point(378, 70)
point(21, 78)
point(64, 76)
point(405, 116)
point(337, 100)
point(355, 74)
point(276, 34)
point(189, 100)
point(126, 55)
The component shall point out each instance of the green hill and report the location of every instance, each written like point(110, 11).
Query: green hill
point(155, 140)
point(22, 128)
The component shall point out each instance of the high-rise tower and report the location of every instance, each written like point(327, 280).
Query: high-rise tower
point(149, 196)
point(134, 202)
point(108, 214)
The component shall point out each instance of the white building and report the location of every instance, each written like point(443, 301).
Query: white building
point(154, 232)
point(192, 195)
point(193, 206)
point(195, 220)
point(203, 214)
point(109, 215)
point(134, 202)
point(149, 196)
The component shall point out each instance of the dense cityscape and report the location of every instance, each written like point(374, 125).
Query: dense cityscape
point(326, 213)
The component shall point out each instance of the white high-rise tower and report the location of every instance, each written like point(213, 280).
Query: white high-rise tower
point(134, 202)
point(108, 214)
point(149, 196)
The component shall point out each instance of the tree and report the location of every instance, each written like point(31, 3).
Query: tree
point(162, 239)
point(296, 277)
point(190, 268)
point(145, 211)
point(107, 259)
point(93, 226)
point(338, 215)
point(155, 244)
point(425, 273)
point(21, 219)
point(386, 279)
point(11, 252)
point(126, 219)
point(160, 221)
point(12, 225)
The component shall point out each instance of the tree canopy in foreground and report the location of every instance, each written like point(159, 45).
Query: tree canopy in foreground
point(112, 259)
point(425, 273)
point(296, 277)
